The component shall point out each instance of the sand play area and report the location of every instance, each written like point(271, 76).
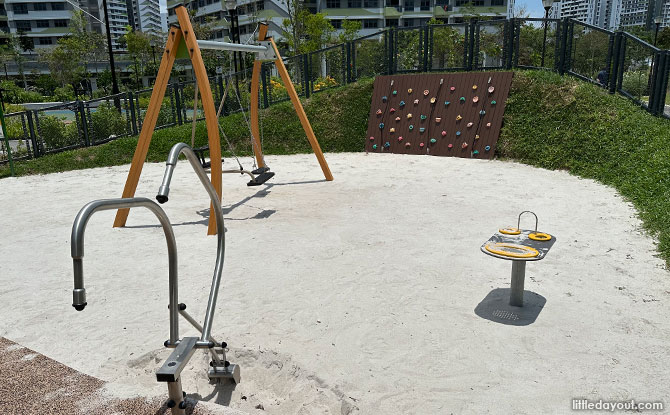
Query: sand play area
point(365, 295)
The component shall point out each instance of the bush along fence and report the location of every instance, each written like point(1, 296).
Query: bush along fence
point(618, 61)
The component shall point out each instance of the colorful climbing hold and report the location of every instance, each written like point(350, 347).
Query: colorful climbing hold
point(446, 103)
point(421, 145)
point(475, 99)
point(384, 98)
point(425, 92)
point(450, 146)
point(381, 125)
point(476, 136)
point(474, 87)
point(458, 117)
point(392, 130)
point(458, 133)
point(392, 110)
point(400, 138)
point(438, 119)
point(462, 99)
point(409, 115)
point(444, 133)
point(387, 144)
point(402, 103)
point(491, 89)
point(475, 152)
point(423, 117)
point(481, 113)
point(452, 89)
point(493, 102)
point(416, 101)
point(433, 141)
point(397, 118)
point(470, 124)
point(464, 145)
point(421, 129)
point(372, 138)
point(411, 127)
point(409, 91)
point(408, 145)
point(379, 112)
point(432, 100)
point(374, 146)
point(488, 125)
point(487, 148)
point(395, 92)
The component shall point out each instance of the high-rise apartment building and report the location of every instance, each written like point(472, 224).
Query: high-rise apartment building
point(374, 15)
point(44, 22)
point(614, 14)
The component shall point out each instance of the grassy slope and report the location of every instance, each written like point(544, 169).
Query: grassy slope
point(550, 121)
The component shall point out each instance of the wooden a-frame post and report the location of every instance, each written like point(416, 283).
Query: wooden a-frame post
point(175, 36)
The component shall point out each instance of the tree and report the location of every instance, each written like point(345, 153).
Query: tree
point(12, 52)
point(293, 25)
point(350, 29)
point(139, 50)
point(663, 40)
point(448, 45)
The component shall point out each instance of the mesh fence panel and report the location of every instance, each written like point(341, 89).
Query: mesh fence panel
point(448, 47)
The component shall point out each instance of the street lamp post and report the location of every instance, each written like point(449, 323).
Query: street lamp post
point(547, 5)
point(115, 86)
point(657, 21)
point(231, 5)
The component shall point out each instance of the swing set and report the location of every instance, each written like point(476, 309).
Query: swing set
point(182, 42)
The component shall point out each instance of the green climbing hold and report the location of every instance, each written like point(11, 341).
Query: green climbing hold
point(395, 92)
point(462, 99)
point(423, 117)
point(475, 152)
point(433, 141)
point(493, 102)
point(411, 127)
point(374, 146)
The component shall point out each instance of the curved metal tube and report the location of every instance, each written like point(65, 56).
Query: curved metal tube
point(162, 197)
point(77, 248)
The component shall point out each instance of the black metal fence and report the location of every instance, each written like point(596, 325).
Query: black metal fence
point(617, 61)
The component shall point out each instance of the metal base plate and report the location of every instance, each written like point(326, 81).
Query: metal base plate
point(230, 372)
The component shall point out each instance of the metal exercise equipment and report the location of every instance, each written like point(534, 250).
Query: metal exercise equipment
point(184, 347)
point(519, 246)
point(182, 42)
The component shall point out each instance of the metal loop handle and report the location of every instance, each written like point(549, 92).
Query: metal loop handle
point(518, 223)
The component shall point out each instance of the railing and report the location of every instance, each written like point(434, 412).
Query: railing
point(617, 61)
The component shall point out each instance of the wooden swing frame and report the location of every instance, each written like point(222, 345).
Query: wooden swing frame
point(175, 37)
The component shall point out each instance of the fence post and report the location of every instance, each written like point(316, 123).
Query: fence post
point(564, 46)
point(349, 44)
point(84, 124)
point(390, 51)
point(656, 84)
point(133, 114)
point(264, 81)
point(177, 102)
point(426, 46)
point(471, 45)
point(620, 63)
point(664, 75)
point(38, 136)
point(33, 138)
point(306, 74)
point(616, 51)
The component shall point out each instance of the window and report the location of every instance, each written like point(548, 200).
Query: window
point(355, 4)
point(336, 23)
point(478, 3)
point(408, 22)
point(60, 23)
point(391, 22)
point(40, 6)
point(20, 8)
point(3, 12)
point(42, 23)
point(333, 4)
point(497, 2)
point(371, 4)
point(425, 5)
point(370, 24)
point(461, 2)
point(260, 5)
point(45, 41)
point(442, 3)
point(23, 25)
point(57, 6)
point(4, 26)
point(409, 5)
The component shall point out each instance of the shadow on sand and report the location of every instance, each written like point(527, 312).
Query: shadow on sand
point(495, 307)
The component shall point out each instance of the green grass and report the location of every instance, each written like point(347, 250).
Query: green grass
point(551, 121)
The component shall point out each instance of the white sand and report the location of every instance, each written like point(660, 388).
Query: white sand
point(355, 296)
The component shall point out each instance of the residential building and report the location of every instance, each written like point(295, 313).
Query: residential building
point(374, 15)
point(614, 14)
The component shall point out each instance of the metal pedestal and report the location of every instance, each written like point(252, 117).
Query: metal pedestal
point(518, 276)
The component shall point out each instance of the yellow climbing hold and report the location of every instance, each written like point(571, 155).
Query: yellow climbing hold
point(512, 250)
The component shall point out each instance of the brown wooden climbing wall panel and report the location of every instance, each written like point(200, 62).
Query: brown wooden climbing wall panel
point(414, 125)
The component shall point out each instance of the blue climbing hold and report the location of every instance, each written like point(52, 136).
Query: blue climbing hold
point(458, 133)
point(422, 129)
point(446, 103)
point(387, 144)
point(423, 117)
point(384, 98)
point(487, 148)
point(402, 103)
point(482, 112)
point(381, 125)
point(411, 127)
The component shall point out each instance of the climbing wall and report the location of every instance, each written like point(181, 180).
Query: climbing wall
point(439, 114)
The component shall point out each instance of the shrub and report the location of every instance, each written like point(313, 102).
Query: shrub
point(56, 134)
point(64, 94)
point(635, 83)
point(105, 122)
